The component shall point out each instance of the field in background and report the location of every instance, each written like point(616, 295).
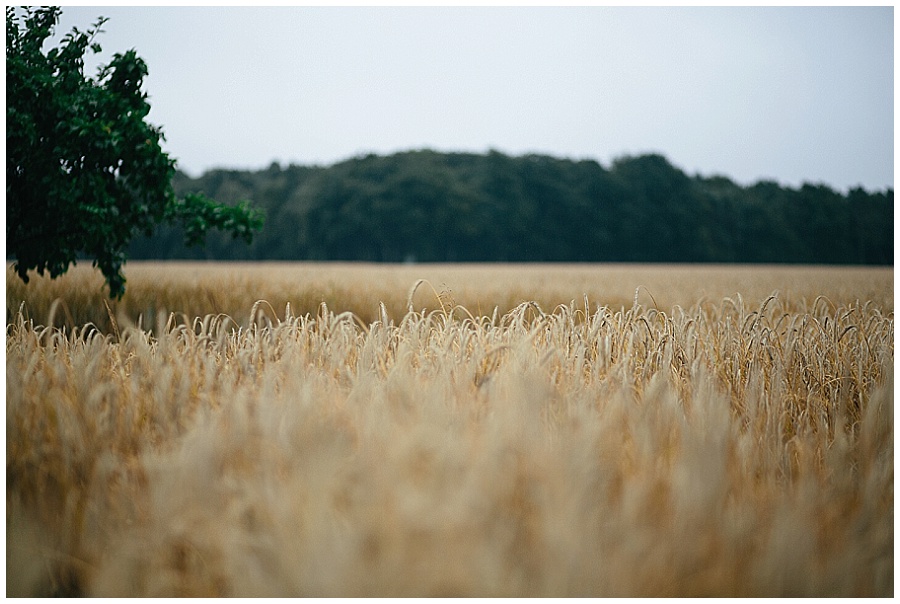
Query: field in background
point(198, 289)
point(703, 437)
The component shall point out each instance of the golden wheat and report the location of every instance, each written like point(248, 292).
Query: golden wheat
point(196, 289)
point(726, 448)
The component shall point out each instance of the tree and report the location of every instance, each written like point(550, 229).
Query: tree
point(84, 171)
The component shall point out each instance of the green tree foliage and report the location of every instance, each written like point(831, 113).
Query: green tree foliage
point(454, 207)
point(85, 172)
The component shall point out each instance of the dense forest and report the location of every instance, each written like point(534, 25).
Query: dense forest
point(427, 206)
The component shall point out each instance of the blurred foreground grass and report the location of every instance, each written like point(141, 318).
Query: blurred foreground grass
point(738, 445)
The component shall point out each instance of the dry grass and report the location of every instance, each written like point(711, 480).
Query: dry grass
point(740, 445)
point(197, 289)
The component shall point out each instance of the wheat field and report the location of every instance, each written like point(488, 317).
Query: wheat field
point(343, 430)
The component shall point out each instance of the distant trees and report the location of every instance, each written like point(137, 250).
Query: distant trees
point(455, 207)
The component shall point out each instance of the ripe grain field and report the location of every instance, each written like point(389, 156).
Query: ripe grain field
point(366, 430)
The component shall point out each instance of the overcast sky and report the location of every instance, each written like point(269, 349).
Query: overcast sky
point(790, 94)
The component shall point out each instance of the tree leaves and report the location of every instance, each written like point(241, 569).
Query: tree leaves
point(464, 207)
point(85, 172)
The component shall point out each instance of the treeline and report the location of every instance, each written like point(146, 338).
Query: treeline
point(460, 207)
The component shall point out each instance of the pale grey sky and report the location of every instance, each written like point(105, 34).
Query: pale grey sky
point(790, 94)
